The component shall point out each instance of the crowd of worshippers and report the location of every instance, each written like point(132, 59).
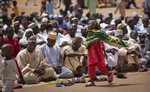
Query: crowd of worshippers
point(53, 46)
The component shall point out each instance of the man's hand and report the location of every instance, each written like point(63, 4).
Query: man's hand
point(58, 69)
point(113, 51)
point(40, 70)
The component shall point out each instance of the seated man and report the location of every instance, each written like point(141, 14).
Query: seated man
point(52, 52)
point(128, 58)
point(33, 64)
point(74, 55)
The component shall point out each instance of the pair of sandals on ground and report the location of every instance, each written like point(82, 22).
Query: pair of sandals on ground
point(70, 82)
point(65, 82)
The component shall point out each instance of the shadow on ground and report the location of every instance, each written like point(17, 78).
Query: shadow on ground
point(117, 85)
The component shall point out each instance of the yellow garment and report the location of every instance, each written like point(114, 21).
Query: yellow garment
point(15, 10)
point(73, 62)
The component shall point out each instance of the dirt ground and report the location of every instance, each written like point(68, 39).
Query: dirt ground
point(136, 82)
point(31, 8)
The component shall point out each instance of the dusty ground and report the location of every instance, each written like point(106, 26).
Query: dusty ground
point(30, 8)
point(136, 82)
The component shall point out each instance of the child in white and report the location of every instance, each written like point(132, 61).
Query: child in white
point(9, 69)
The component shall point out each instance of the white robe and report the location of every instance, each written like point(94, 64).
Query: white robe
point(111, 60)
point(53, 56)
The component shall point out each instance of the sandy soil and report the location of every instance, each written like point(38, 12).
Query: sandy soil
point(136, 82)
point(31, 8)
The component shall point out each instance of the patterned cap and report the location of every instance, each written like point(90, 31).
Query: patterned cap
point(52, 35)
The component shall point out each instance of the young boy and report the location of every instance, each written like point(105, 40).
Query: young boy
point(10, 69)
point(95, 54)
point(9, 39)
point(15, 8)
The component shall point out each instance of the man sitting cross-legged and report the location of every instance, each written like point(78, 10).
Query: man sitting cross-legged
point(33, 64)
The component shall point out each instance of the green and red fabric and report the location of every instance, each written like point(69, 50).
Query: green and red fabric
point(94, 35)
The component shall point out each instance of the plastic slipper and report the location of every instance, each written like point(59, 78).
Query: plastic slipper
point(75, 80)
point(103, 79)
point(82, 80)
point(68, 84)
point(100, 79)
point(121, 76)
point(71, 82)
point(90, 84)
point(58, 84)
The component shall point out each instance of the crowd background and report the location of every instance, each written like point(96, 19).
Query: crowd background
point(75, 33)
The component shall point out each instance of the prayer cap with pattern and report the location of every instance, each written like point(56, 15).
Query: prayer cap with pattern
point(52, 35)
point(121, 25)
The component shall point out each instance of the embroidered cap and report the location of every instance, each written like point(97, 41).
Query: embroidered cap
point(52, 35)
point(121, 25)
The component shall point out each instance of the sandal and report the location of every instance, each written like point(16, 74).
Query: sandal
point(101, 79)
point(66, 83)
point(90, 84)
point(121, 76)
point(75, 80)
point(58, 85)
point(82, 80)
point(71, 82)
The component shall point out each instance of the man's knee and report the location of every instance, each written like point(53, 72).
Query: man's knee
point(49, 72)
point(31, 78)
